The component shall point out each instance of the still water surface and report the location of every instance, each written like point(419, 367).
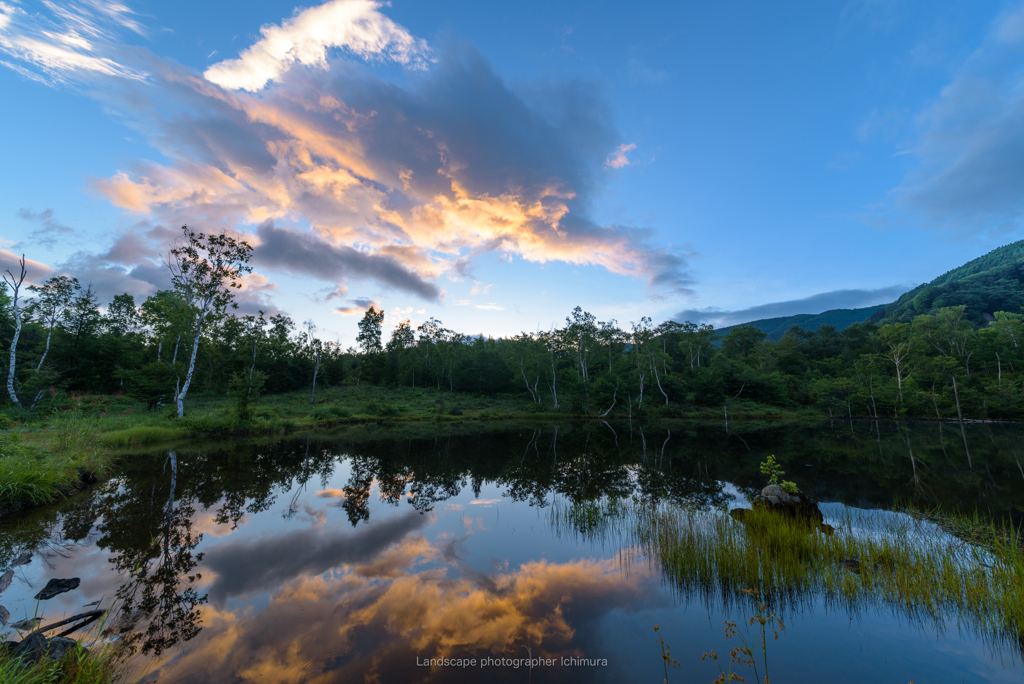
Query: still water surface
point(363, 555)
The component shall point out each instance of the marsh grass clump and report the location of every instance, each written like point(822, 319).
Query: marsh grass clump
point(899, 562)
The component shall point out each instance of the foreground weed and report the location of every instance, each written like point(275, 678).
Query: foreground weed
point(666, 657)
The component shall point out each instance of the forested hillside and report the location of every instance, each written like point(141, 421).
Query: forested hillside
point(991, 283)
point(775, 328)
point(187, 339)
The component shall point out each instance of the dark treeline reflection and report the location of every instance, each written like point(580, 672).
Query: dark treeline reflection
point(146, 519)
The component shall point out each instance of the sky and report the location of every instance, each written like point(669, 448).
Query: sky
point(494, 166)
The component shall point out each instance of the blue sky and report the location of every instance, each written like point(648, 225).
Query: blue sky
point(495, 165)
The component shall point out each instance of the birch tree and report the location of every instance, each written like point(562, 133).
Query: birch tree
point(15, 283)
point(205, 271)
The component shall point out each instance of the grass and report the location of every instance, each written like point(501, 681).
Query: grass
point(900, 562)
point(99, 665)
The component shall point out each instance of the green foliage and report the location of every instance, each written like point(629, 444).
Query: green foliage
point(790, 487)
point(772, 469)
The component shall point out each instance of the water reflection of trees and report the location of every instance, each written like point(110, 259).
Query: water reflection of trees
point(146, 518)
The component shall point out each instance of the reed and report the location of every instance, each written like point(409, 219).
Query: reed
point(142, 434)
point(905, 563)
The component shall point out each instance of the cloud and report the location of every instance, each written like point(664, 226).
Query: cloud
point(815, 304)
point(618, 159)
point(402, 182)
point(35, 272)
point(49, 231)
point(69, 43)
point(358, 306)
point(971, 150)
point(490, 307)
point(308, 254)
point(369, 621)
point(250, 566)
point(354, 25)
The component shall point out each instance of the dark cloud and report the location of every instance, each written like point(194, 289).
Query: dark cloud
point(254, 565)
point(307, 254)
point(815, 304)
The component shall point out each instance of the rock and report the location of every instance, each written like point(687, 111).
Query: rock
point(739, 513)
point(5, 615)
point(7, 648)
point(31, 648)
point(5, 580)
point(57, 586)
point(23, 559)
point(799, 506)
point(827, 529)
point(58, 647)
point(27, 623)
point(851, 564)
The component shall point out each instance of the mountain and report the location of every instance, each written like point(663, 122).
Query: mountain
point(994, 282)
point(775, 328)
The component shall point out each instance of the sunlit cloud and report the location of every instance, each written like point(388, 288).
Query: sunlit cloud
point(490, 307)
point(358, 307)
point(618, 158)
point(354, 25)
point(340, 175)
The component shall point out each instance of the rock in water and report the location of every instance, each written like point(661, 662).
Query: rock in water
point(5, 615)
point(23, 559)
point(31, 648)
point(5, 580)
point(799, 506)
point(58, 647)
point(27, 623)
point(57, 586)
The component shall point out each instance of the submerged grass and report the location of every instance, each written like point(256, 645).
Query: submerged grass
point(896, 561)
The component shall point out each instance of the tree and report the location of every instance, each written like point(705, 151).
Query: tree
point(122, 316)
point(15, 283)
point(315, 349)
point(205, 270)
point(52, 300)
point(370, 330)
point(897, 345)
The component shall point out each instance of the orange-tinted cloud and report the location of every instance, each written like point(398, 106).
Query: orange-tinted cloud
point(369, 622)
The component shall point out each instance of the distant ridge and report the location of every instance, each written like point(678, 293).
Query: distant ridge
point(775, 328)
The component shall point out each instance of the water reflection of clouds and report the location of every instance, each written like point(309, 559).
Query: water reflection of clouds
point(369, 621)
point(248, 566)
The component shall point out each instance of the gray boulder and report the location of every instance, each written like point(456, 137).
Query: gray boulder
point(798, 505)
point(31, 648)
point(58, 647)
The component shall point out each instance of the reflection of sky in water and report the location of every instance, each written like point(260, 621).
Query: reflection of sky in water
point(296, 594)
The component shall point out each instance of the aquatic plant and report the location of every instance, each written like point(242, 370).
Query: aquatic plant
point(894, 561)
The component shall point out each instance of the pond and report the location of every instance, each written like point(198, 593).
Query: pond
point(369, 554)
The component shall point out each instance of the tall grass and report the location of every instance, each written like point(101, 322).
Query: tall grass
point(98, 666)
point(899, 562)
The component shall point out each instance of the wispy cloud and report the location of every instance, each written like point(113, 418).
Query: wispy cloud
point(73, 41)
point(356, 307)
point(618, 158)
point(49, 231)
point(815, 304)
point(972, 145)
point(489, 307)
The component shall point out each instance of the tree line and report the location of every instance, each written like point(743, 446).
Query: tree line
point(189, 337)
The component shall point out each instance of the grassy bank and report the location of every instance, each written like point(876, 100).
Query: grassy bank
point(900, 562)
point(45, 455)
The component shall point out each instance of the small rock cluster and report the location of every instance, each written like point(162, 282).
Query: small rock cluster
point(36, 646)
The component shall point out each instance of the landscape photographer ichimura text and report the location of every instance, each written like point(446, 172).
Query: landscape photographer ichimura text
point(515, 663)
